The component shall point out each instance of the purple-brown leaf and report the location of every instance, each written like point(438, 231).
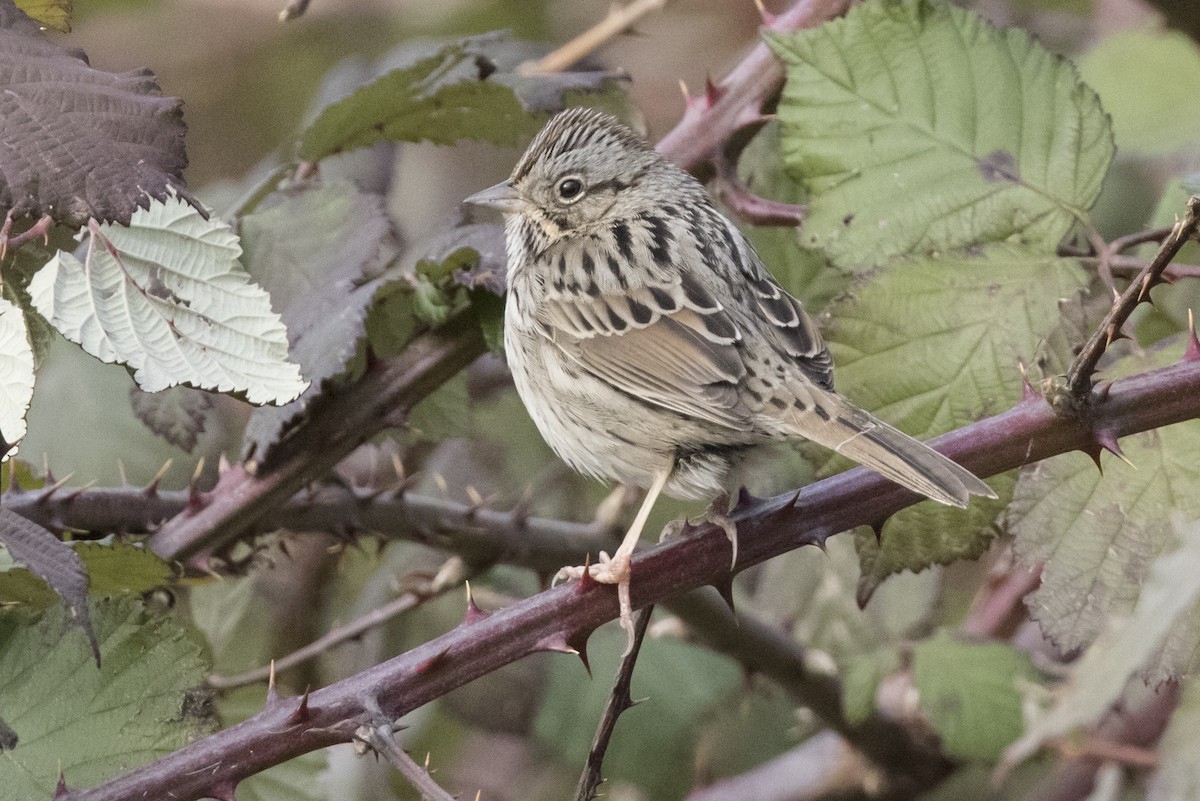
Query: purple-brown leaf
point(81, 143)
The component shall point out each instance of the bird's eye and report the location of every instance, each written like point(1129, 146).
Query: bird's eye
point(570, 188)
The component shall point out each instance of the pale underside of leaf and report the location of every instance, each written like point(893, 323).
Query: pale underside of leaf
point(1100, 676)
point(168, 297)
point(917, 127)
point(1097, 534)
point(16, 374)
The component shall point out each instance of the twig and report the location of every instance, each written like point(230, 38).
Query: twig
point(1130, 266)
point(997, 608)
point(246, 493)
point(737, 101)
point(451, 575)
point(479, 535)
point(41, 228)
point(1140, 728)
point(618, 701)
point(822, 767)
point(1079, 377)
point(1029, 432)
point(750, 207)
point(382, 739)
point(619, 18)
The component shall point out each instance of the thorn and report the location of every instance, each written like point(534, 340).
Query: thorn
point(1102, 390)
point(152, 488)
point(1144, 293)
point(223, 465)
point(1192, 354)
point(302, 713)
point(223, 791)
point(47, 473)
point(724, 588)
point(1028, 393)
point(478, 794)
point(75, 493)
point(433, 662)
point(877, 527)
point(440, 480)
point(687, 96)
point(1093, 449)
point(474, 613)
point(578, 641)
point(555, 642)
point(587, 582)
point(61, 790)
point(744, 500)
point(786, 510)
point(712, 92)
point(750, 117)
point(819, 542)
point(48, 492)
point(767, 17)
point(1106, 438)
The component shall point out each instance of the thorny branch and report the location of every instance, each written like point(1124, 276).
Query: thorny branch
point(381, 738)
point(1079, 377)
point(561, 618)
point(247, 493)
point(451, 575)
point(618, 701)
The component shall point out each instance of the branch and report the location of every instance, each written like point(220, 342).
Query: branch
point(382, 740)
point(1079, 378)
point(737, 101)
point(451, 575)
point(821, 767)
point(618, 701)
point(564, 617)
point(344, 420)
point(620, 18)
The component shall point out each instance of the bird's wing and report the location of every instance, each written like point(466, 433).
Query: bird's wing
point(670, 344)
point(785, 320)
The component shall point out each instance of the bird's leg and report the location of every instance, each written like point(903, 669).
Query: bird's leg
point(718, 514)
point(615, 570)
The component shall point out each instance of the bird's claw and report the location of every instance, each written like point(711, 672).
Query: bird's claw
point(608, 570)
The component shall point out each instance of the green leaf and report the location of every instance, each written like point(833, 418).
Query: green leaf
point(94, 724)
point(970, 693)
point(118, 568)
point(16, 374)
point(1146, 78)
point(1098, 533)
point(444, 94)
point(929, 534)
point(1100, 676)
point(121, 568)
point(918, 127)
point(933, 344)
point(323, 252)
point(54, 14)
point(167, 297)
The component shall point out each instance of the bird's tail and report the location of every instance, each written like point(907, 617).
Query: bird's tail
point(834, 422)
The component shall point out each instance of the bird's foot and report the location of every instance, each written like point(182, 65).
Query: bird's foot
point(609, 570)
point(717, 514)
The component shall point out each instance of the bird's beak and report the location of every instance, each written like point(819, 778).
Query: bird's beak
point(501, 197)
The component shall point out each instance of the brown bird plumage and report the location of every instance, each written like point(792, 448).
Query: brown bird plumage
point(649, 343)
